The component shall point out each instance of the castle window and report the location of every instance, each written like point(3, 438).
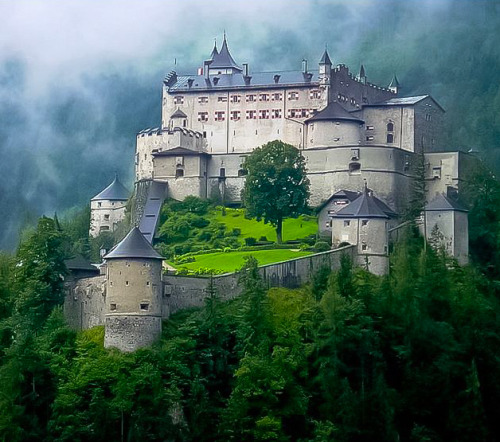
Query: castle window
point(293, 95)
point(222, 172)
point(106, 217)
point(179, 173)
point(428, 117)
point(354, 154)
point(222, 99)
point(436, 172)
point(369, 138)
point(112, 307)
point(315, 94)
point(242, 172)
point(103, 228)
point(184, 123)
point(277, 96)
point(251, 114)
point(276, 113)
point(251, 98)
point(98, 204)
point(364, 222)
point(264, 97)
point(235, 115)
point(364, 246)
point(264, 114)
point(204, 134)
point(370, 127)
point(179, 161)
point(390, 138)
point(220, 115)
point(354, 168)
point(347, 223)
point(390, 127)
point(179, 99)
point(148, 283)
point(126, 283)
point(203, 100)
point(235, 98)
point(136, 159)
point(144, 307)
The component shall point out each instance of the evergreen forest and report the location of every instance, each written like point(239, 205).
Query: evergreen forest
point(410, 356)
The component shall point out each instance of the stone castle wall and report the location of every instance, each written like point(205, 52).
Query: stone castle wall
point(84, 306)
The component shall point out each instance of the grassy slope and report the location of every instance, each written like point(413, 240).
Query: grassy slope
point(230, 261)
point(292, 228)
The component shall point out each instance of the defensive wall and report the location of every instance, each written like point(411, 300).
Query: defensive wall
point(85, 300)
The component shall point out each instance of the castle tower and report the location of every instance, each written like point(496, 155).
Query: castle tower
point(361, 77)
point(133, 311)
point(107, 208)
point(447, 226)
point(365, 223)
point(325, 68)
point(333, 126)
point(394, 85)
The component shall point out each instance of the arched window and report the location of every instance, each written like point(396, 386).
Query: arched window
point(390, 138)
point(390, 127)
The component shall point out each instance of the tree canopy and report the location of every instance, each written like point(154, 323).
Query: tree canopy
point(276, 185)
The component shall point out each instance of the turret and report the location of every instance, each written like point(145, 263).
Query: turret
point(361, 77)
point(133, 311)
point(325, 68)
point(107, 208)
point(394, 85)
point(365, 223)
point(222, 62)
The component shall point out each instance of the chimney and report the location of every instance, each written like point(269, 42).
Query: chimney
point(247, 79)
point(304, 66)
point(277, 78)
point(245, 69)
point(206, 66)
point(190, 82)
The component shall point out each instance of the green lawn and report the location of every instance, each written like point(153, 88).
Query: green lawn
point(292, 228)
point(231, 261)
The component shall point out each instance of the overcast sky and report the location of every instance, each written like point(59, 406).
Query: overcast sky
point(79, 78)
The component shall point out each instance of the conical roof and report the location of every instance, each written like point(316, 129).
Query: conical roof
point(116, 191)
point(394, 82)
point(362, 72)
point(334, 112)
point(215, 52)
point(325, 59)
point(365, 206)
point(223, 59)
point(134, 245)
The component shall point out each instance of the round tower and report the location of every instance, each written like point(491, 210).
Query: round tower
point(133, 311)
point(107, 208)
point(333, 126)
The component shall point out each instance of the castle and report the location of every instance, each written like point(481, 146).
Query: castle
point(361, 142)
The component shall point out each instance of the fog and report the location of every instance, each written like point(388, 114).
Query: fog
point(79, 79)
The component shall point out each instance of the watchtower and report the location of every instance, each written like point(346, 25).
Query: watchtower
point(134, 299)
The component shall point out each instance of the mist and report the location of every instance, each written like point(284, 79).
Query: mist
point(79, 79)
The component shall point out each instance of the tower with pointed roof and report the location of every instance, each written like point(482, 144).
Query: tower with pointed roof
point(365, 222)
point(108, 207)
point(133, 294)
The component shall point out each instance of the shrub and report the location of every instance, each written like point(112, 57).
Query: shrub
point(236, 231)
point(263, 238)
point(321, 246)
point(250, 241)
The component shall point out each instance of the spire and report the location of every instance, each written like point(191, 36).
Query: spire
point(394, 85)
point(224, 60)
point(325, 59)
point(362, 71)
point(215, 52)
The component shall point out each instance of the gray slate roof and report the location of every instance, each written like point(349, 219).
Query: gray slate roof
point(325, 59)
point(405, 101)
point(223, 59)
point(334, 112)
point(134, 245)
point(443, 203)
point(236, 81)
point(78, 262)
point(365, 206)
point(178, 114)
point(116, 191)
